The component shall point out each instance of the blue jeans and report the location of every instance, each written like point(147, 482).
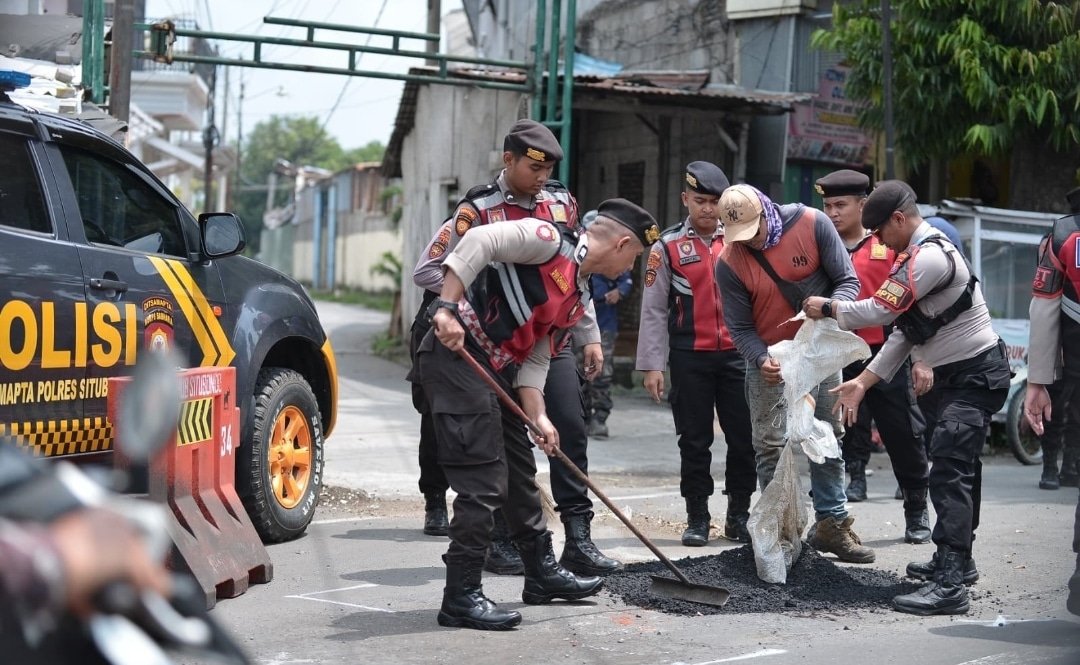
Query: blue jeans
point(769, 421)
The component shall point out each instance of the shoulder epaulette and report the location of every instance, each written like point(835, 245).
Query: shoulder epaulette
point(480, 191)
point(1064, 227)
point(671, 231)
point(555, 186)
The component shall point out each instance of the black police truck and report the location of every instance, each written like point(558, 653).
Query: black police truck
point(100, 262)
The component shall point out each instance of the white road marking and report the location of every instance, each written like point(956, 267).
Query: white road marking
point(339, 520)
point(756, 654)
point(364, 585)
point(998, 621)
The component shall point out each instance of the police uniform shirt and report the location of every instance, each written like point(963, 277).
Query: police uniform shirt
point(652, 349)
point(428, 273)
point(529, 241)
point(966, 336)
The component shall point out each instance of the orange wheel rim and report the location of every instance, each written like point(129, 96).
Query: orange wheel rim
point(290, 456)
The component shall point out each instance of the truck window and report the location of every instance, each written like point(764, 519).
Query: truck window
point(21, 203)
point(119, 209)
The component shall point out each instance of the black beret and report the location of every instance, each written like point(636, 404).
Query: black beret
point(888, 197)
point(706, 177)
point(844, 182)
point(533, 140)
point(1073, 198)
point(633, 217)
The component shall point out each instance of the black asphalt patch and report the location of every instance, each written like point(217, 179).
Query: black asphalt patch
point(815, 584)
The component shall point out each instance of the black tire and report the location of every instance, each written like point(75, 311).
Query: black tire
point(284, 476)
point(1024, 444)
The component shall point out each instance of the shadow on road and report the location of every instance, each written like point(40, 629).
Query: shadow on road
point(1052, 633)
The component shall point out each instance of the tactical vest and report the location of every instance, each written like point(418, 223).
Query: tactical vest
point(1058, 274)
point(695, 309)
point(512, 305)
point(918, 328)
point(555, 205)
point(872, 260)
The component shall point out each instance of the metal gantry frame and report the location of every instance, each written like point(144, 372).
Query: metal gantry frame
point(542, 84)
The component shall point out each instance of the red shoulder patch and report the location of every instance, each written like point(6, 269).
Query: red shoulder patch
point(466, 218)
point(895, 295)
point(545, 232)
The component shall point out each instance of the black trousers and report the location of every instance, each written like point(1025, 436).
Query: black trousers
point(565, 405)
point(432, 479)
point(701, 382)
point(892, 405)
point(965, 395)
point(483, 450)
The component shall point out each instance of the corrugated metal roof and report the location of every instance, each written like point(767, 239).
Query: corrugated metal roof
point(673, 90)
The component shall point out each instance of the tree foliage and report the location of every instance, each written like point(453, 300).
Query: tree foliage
point(968, 75)
point(301, 141)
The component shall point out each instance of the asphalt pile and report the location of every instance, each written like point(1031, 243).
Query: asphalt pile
point(815, 584)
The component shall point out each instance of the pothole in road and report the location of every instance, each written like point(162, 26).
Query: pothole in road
point(815, 585)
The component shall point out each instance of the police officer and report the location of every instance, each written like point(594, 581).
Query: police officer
point(512, 292)
point(891, 404)
point(521, 190)
point(941, 319)
point(1055, 320)
point(682, 324)
point(777, 254)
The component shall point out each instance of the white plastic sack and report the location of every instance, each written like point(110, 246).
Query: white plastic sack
point(819, 350)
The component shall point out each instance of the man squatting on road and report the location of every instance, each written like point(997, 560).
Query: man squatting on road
point(517, 288)
point(776, 256)
point(521, 190)
point(682, 325)
point(933, 298)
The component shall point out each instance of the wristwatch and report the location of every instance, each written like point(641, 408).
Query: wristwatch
point(439, 303)
point(826, 308)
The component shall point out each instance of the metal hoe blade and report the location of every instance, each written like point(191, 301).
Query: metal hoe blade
point(665, 587)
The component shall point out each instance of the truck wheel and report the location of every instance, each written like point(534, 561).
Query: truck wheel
point(1025, 445)
point(284, 463)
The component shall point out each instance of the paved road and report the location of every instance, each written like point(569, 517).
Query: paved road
point(365, 588)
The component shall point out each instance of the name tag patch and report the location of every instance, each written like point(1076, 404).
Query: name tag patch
point(560, 280)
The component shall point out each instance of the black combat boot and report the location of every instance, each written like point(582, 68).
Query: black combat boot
point(925, 570)
point(464, 604)
point(856, 489)
point(1070, 466)
point(946, 594)
point(546, 580)
point(697, 521)
point(1049, 479)
point(502, 556)
point(738, 512)
point(916, 517)
point(580, 554)
point(436, 521)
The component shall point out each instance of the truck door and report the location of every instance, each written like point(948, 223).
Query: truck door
point(44, 323)
point(138, 268)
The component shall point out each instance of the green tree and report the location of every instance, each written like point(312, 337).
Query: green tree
point(990, 77)
point(301, 141)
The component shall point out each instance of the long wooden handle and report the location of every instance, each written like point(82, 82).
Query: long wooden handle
point(516, 408)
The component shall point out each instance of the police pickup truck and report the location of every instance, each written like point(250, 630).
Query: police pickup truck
point(99, 262)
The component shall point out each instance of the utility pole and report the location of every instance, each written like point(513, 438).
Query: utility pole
point(210, 137)
point(123, 38)
point(886, 73)
point(434, 22)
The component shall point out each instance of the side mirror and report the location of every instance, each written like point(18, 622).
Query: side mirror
point(222, 234)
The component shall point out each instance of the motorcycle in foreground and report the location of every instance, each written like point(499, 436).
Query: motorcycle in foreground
point(127, 626)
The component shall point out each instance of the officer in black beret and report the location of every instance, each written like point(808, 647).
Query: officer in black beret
point(529, 138)
point(934, 301)
point(523, 189)
point(707, 373)
point(890, 404)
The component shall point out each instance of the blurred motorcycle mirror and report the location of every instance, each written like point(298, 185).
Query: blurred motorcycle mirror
point(150, 408)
